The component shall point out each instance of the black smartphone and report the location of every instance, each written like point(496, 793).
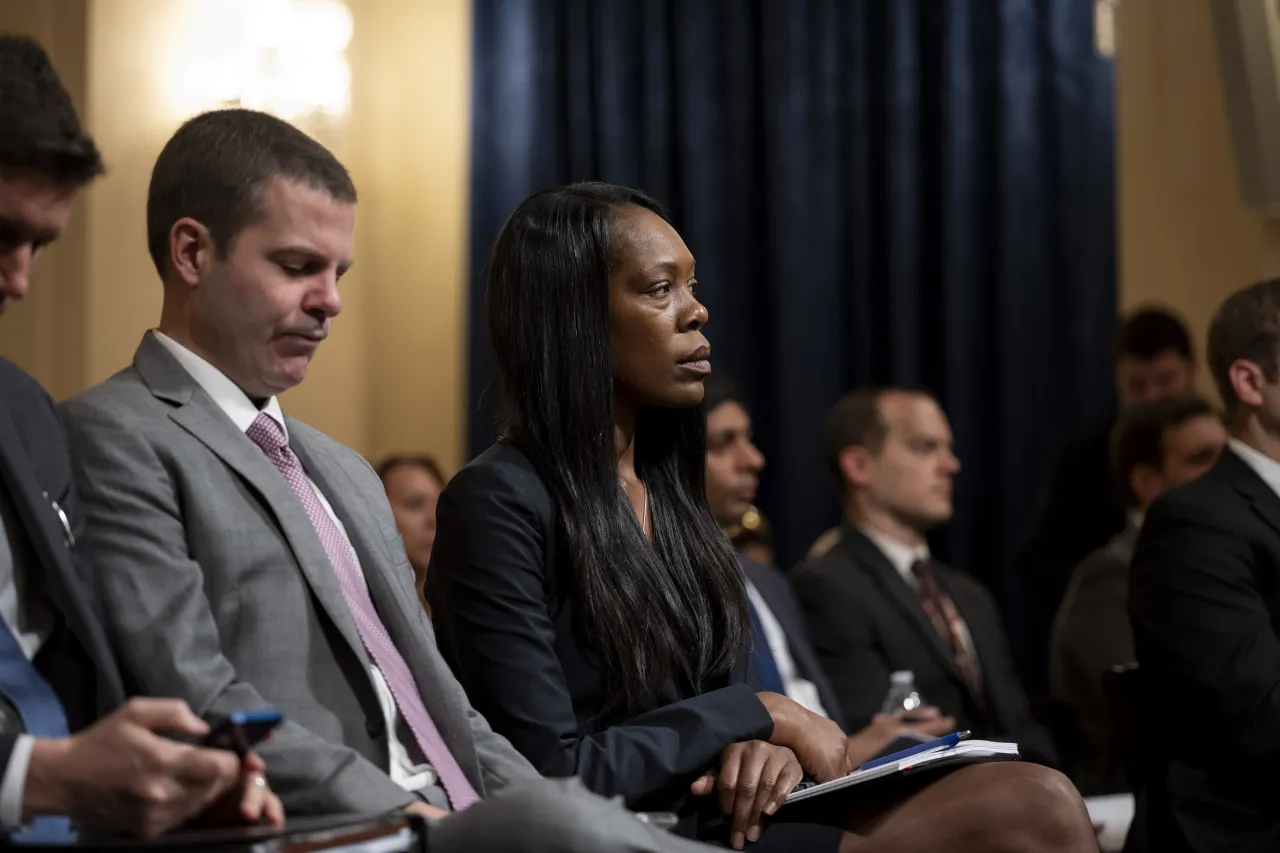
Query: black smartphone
point(242, 730)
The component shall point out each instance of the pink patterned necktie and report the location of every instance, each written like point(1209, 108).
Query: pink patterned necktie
point(269, 435)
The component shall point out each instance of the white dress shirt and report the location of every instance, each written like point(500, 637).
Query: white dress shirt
point(408, 769)
point(31, 621)
point(902, 558)
point(1265, 467)
point(800, 690)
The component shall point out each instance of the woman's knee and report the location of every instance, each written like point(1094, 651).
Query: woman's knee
point(1039, 806)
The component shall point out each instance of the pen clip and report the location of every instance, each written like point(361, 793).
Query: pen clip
point(66, 523)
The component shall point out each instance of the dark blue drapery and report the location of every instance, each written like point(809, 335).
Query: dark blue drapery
point(877, 191)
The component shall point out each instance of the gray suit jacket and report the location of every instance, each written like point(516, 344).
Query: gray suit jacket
point(1091, 634)
point(219, 592)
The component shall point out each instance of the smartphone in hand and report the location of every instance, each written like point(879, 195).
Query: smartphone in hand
point(242, 730)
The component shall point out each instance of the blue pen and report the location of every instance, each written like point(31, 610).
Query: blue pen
point(945, 741)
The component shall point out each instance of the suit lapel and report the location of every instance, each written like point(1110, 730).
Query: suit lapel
point(397, 605)
point(872, 560)
point(199, 415)
point(51, 545)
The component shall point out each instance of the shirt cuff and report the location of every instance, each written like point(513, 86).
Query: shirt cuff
point(15, 782)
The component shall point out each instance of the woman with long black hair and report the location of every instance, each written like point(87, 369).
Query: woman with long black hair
point(589, 603)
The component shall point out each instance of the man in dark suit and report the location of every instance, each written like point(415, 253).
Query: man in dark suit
point(57, 674)
point(783, 656)
point(878, 603)
point(1082, 505)
point(1204, 600)
point(1158, 446)
point(734, 464)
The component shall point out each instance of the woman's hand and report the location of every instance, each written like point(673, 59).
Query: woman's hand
point(819, 744)
point(753, 780)
point(884, 728)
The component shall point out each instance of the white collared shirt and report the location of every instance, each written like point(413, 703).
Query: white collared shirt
point(410, 774)
point(800, 690)
point(902, 558)
point(1265, 467)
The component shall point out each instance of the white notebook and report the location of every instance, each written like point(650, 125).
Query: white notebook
point(965, 752)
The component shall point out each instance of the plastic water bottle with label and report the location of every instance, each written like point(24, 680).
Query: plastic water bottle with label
point(903, 697)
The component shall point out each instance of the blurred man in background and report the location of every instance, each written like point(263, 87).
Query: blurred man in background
point(734, 464)
point(782, 654)
point(1081, 505)
point(877, 602)
point(1158, 446)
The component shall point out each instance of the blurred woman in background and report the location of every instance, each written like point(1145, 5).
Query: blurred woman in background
point(413, 485)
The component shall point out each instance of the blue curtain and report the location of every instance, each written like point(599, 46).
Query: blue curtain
point(914, 192)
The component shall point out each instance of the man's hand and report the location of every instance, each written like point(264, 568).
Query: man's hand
point(754, 780)
point(884, 728)
point(121, 774)
point(249, 802)
point(426, 810)
point(819, 744)
point(926, 720)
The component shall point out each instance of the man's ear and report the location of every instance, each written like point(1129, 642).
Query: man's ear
point(855, 465)
point(1146, 483)
point(1248, 380)
point(191, 250)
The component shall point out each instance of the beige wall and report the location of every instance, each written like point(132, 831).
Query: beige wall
point(411, 108)
point(391, 376)
point(1185, 239)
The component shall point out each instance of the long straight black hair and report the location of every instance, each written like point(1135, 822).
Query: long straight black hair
point(674, 611)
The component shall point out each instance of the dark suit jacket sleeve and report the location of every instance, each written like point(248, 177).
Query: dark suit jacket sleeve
point(1200, 622)
point(7, 742)
point(487, 589)
point(842, 638)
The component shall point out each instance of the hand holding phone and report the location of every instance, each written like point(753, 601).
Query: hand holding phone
point(242, 730)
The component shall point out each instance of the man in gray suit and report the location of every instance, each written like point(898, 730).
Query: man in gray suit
point(249, 560)
point(1157, 446)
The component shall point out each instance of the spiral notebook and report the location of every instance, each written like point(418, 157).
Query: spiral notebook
point(964, 752)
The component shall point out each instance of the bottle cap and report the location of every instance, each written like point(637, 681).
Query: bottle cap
point(902, 677)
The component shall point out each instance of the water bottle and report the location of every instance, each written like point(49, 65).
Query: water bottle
point(902, 698)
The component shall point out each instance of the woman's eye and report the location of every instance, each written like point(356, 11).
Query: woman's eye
point(661, 290)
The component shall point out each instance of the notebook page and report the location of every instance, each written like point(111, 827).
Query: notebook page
point(974, 750)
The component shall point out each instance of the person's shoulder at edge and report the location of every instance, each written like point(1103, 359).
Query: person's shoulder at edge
point(836, 569)
point(15, 380)
point(1106, 565)
point(1211, 499)
point(21, 395)
point(502, 467)
point(124, 395)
